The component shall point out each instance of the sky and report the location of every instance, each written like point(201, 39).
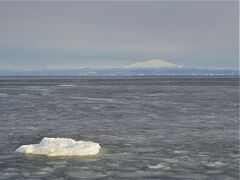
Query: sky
point(71, 35)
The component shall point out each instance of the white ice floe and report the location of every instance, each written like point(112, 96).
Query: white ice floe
point(159, 166)
point(61, 147)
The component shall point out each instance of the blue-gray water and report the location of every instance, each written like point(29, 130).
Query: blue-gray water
point(149, 128)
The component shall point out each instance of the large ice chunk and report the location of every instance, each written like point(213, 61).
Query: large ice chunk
point(61, 147)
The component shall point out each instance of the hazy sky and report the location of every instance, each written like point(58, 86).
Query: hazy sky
point(53, 35)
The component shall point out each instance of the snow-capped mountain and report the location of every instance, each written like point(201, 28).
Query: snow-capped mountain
point(154, 63)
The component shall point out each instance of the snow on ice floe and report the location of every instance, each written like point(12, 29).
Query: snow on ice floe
point(61, 147)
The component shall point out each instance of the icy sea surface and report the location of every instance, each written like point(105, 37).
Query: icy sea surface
point(148, 127)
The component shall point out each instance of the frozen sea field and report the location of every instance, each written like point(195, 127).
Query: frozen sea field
point(148, 127)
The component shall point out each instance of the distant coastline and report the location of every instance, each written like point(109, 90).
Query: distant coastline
point(125, 72)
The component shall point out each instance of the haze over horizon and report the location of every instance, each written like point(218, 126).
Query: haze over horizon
point(70, 35)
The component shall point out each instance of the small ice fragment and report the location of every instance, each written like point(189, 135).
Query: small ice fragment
point(214, 164)
point(67, 85)
point(61, 147)
point(177, 152)
point(180, 152)
point(3, 95)
point(159, 166)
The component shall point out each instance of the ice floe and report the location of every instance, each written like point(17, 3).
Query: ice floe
point(61, 147)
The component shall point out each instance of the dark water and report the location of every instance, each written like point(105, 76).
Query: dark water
point(149, 128)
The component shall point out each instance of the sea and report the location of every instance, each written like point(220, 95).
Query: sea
point(148, 127)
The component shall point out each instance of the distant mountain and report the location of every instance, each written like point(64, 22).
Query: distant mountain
point(155, 63)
